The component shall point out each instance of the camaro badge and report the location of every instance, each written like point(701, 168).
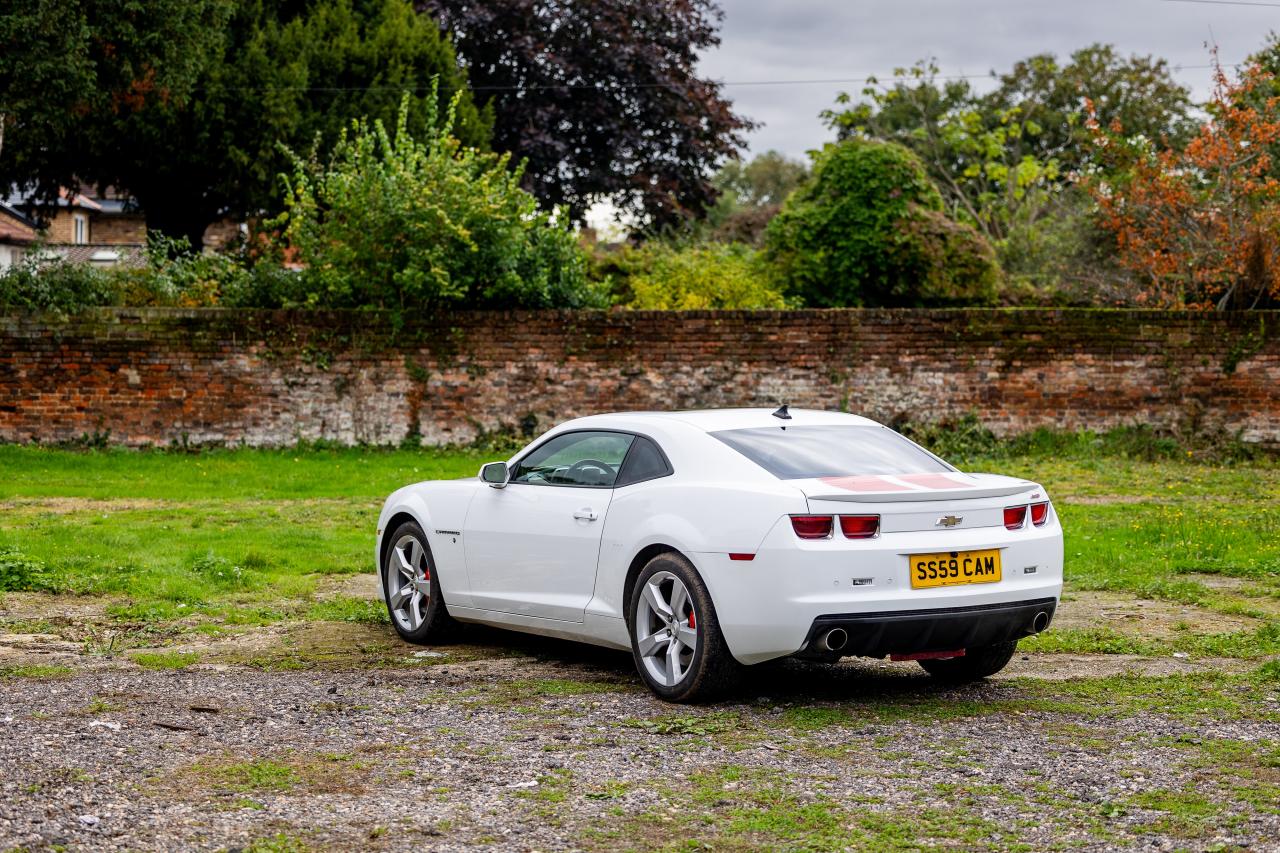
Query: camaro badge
point(949, 521)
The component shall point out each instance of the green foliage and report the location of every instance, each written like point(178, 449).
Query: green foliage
point(979, 153)
point(57, 286)
point(866, 229)
point(395, 222)
point(699, 277)
point(165, 660)
point(67, 67)
point(751, 194)
point(19, 573)
point(967, 438)
point(270, 72)
point(1004, 160)
point(170, 275)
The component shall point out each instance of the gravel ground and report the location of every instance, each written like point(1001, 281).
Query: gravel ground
point(560, 749)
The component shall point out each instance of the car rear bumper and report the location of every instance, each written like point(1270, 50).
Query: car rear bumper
point(767, 605)
point(939, 630)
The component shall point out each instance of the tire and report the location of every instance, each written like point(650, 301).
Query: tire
point(415, 604)
point(976, 665)
point(692, 674)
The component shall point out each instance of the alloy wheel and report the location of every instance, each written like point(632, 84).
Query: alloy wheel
point(666, 628)
point(408, 579)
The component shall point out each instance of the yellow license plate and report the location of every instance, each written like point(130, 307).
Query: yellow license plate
point(951, 568)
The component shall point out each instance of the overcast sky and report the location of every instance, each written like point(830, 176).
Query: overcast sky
point(771, 40)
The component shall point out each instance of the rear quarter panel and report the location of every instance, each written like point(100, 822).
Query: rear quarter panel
point(692, 518)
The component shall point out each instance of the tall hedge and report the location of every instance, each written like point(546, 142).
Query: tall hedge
point(868, 228)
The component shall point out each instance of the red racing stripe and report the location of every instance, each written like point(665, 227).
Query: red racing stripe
point(865, 483)
point(935, 481)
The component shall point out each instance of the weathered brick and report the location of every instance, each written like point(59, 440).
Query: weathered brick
point(270, 377)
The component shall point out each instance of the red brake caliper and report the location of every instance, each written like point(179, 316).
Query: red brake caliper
point(692, 623)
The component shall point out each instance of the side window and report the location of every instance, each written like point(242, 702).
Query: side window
point(575, 459)
point(644, 462)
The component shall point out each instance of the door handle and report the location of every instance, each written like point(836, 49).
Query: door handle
point(586, 514)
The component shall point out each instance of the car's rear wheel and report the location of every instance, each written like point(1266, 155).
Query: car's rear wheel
point(975, 665)
point(411, 588)
point(675, 635)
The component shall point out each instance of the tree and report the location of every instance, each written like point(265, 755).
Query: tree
point(1003, 159)
point(1198, 227)
point(601, 99)
point(282, 72)
point(981, 157)
point(67, 64)
point(751, 194)
point(398, 222)
point(1137, 91)
point(868, 228)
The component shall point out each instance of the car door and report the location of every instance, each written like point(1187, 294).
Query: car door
point(532, 547)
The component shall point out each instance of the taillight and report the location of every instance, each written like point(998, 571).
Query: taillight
point(812, 526)
point(859, 526)
point(1015, 516)
point(1039, 513)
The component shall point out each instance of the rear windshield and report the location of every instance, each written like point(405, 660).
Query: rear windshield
point(802, 452)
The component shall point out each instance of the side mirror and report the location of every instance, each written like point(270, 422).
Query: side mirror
point(495, 474)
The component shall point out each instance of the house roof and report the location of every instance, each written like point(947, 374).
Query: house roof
point(15, 227)
point(109, 203)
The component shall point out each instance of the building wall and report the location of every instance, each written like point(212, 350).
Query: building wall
point(153, 376)
point(114, 230)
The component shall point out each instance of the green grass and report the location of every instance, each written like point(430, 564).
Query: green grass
point(34, 671)
point(165, 660)
point(248, 536)
point(238, 475)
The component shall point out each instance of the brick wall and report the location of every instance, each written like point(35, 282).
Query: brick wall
point(120, 228)
point(114, 229)
point(152, 376)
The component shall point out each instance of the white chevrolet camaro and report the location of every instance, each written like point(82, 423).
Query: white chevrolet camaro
point(708, 541)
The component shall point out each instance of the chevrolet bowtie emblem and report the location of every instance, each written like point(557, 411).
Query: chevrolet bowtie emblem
point(949, 521)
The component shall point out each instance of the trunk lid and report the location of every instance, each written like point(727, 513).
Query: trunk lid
point(911, 502)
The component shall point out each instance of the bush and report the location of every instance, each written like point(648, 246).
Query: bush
point(20, 573)
point(706, 276)
point(57, 286)
point(170, 275)
point(867, 229)
point(395, 222)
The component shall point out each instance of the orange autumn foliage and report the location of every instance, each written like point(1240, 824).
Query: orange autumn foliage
point(1199, 227)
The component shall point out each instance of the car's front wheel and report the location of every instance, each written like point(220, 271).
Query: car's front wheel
point(974, 666)
point(411, 588)
point(675, 635)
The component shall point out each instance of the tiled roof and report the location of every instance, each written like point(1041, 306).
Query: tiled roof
point(108, 254)
point(14, 227)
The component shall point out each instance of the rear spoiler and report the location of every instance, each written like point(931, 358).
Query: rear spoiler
point(931, 495)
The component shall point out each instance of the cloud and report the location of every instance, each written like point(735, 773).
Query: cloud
point(823, 39)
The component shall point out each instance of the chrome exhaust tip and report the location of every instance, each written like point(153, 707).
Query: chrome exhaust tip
point(1039, 622)
point(834, 640)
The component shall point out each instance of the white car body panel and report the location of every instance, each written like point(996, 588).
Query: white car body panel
point(516, 557)
point(530, 553)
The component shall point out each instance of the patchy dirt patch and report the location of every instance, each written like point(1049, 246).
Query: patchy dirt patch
point(1057, 667)
point(1084, 610)
point(70, 506)
point(31, 606)
point(362, 585)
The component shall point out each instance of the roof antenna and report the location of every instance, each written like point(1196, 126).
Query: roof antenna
point(782, 413)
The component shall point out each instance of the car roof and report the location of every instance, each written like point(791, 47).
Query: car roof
point(713, 420)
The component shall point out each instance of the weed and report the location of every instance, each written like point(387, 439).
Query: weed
point(35, 671)
point(165, 660)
